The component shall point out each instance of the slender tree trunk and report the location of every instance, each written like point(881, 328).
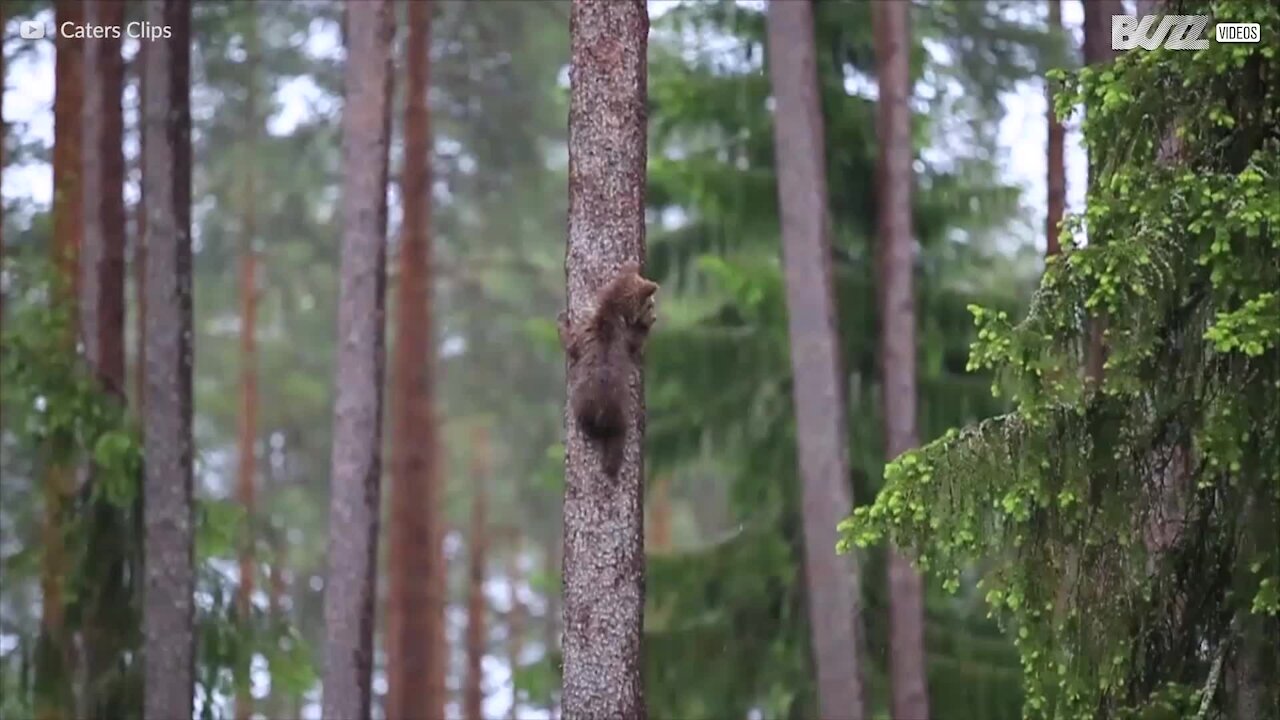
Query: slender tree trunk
point(357, 415)
point(1057, 169)
point(170, 522)
point(821, 426)
point(107, 608)
point(54, 661)
point(604, 517)
point(415, 640)
point(660, 516)
point(1097, 50)
point(246, 491)
point(891, 25)
point(473, 693)
point(102, 181)
point(68, 99)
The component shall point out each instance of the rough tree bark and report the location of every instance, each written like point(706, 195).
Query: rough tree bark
point(168, 541)
point(603, 568)
point(102, 179)
point(246, 468)
point(891, 25)
point(1056, 180)
point(107, 609)
point(473, 691)
point(821, 426)
point(415, 641)
point(53, 652)
point(357, 413)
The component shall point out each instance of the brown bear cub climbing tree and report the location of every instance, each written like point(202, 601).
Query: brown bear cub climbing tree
point(602, 351)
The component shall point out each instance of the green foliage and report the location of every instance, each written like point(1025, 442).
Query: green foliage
point(59, 416)
point(1119, 519)
point(729, 608)
point(54, 401)
point(57, 413)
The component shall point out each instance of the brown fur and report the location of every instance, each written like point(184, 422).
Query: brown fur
point(602, 351)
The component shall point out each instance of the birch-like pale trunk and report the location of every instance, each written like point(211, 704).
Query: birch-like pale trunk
point(817, 375)
point(895, 256)
point(355, 477)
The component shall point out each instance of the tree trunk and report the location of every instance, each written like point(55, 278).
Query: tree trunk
point(604, 516)
point(53, 654)
point(169, 535)
point(1097, 50)
point(1097, 29)
point(357, 414)
point(1057, 171)
point(895, 266)
point(248, 431)
point(107, 607)
point(68, 99)
point(415, 640)
point(473, 693)
point(660, 516)
point(821, 430)
point(102, 180)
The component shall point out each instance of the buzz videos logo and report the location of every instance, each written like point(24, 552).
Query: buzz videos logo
point(1176, 32)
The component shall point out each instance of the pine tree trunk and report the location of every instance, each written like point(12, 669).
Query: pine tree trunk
point(1097, 50)
point(660, 516)
point(102, 180)
point(895, 268)
point(246, 470)
point(604, 516)
point(54, 660)
point(107, 605)
point(415, 640)
point(821, 426)
point(169, 520)
point(1056, 182)
point(357, 415)
point(473, 692)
